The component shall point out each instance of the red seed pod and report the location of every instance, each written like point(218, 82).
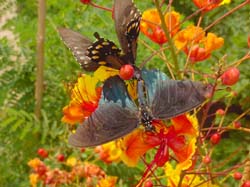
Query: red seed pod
point(237, 175)
point(230, 76)
point(237, 124)
point(220, 112)
point(42, 153)
point(148, 183)
point(82, 150)
point(215, 138)
point(246, 184)
point(206, 159)
point(60, 157)
point(126, 72)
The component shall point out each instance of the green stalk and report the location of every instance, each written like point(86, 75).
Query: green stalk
point(170, 42)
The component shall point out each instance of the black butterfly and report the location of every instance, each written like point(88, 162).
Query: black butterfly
point(118, 115)
point(91, 55)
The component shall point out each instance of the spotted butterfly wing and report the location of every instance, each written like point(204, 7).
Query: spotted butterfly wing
point(78, 44)
point(127, 24)
point(115, 117)
point(89, 54)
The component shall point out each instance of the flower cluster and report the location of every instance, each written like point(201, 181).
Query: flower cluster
point(196, 43)
point(90, 174)
point(151, 25)
point(207, 5)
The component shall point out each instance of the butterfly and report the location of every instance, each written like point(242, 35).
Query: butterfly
point(103, 52)
point(117, 114)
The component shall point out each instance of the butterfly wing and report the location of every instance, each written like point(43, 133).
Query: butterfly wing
point(89, 54)
point(109, 122)
point(174, 97)
point(151, 80)
point(114, 89)
point(115, 117)
point(127, 24)
point(78, 44)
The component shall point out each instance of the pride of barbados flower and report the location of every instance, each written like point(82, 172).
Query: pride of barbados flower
point(180, 137)
point(207, 5)
point(196, 43)
point(85, 95)
point(84, 100)
point(151, 25)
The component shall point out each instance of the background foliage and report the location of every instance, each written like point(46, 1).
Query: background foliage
point(21, 134)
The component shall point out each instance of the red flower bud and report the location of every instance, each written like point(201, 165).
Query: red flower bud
point(82, 150)
point(230, 76)
point(126, 72)
point(215, 138)
point(237, 124)
point(148, 183)
point(42, 153)
point(206, 159)
point(220, 112)
point(246, 184)
point(60, 157)
point(237, 175)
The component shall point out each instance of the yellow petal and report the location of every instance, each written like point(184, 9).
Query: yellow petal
point(103, 73)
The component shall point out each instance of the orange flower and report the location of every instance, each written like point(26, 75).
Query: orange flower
point(196, 44)
point(150, 25)
point(134, 146)
point(33, 179)
point(34, 163)
point(173, 177)
point(207, 5)
point(186, 126)
point(180, 137)
point(108, 181)
point(109, 152)
point(84, 100)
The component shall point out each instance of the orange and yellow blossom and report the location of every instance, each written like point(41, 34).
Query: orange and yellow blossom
point(207, 5)
point(173, 178)
point(33, 178)
point(151, 25)
point(196, 44)
point(108, 181)
point(180, 137)
point(85, 95)
point(84, 100)
point(34, 163)
point(109, 152)
point(133, 146)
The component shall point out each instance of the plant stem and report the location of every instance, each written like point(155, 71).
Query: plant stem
point(40, 57)
point(170, 42)
point(227, 14)
point(100, 7)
